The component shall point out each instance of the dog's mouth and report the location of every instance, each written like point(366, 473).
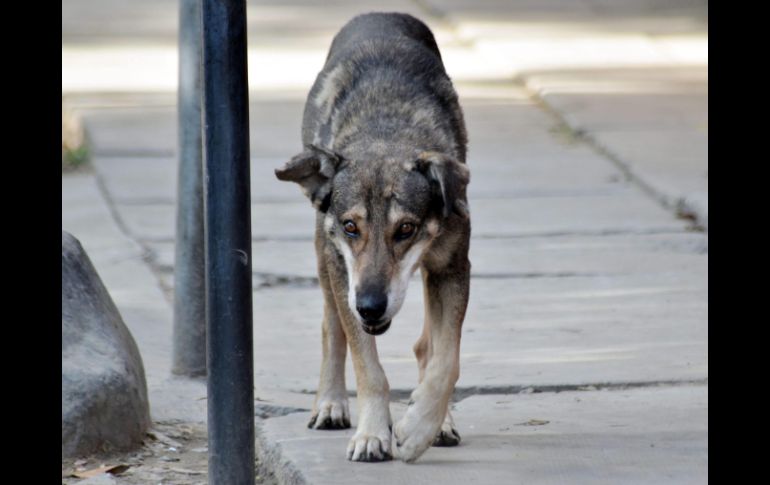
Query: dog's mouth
point(377, 328)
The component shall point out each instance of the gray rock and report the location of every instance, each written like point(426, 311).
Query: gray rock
point(104, 392)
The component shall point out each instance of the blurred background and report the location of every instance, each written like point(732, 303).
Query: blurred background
point(588, 127)
point(630, 73)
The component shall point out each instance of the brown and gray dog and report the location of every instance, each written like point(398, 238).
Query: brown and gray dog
point(384, 166)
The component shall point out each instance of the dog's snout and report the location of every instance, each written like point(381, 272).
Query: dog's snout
point(372, 306)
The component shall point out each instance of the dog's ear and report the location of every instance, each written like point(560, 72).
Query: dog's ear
point(450, 179)
point(313, 170)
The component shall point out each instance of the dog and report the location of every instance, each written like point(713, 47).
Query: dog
point(384, 166)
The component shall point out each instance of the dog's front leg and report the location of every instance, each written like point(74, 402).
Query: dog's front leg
point(446, 298)
point(372, 439)
point(371, 442)
point(447, 435)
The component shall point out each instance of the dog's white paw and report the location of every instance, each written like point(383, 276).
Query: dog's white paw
point(416, 431)
point(366, 447)
point(372, 439)
point(331, 414)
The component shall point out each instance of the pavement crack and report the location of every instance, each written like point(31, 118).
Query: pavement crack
point(148, 255)
point(464, 392)
point(589, 232)
point(133, 153)
point(555, 274)
point(266, 411)
point(679, 207)
point(569, 233)
point(264, 280)
point(271, 280)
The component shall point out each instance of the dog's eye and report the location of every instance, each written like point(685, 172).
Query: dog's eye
point(350, 228)
point(405, 231)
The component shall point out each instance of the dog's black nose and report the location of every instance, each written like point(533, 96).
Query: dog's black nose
point(372, 306)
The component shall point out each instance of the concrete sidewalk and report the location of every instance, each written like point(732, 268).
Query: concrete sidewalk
point(584, 354)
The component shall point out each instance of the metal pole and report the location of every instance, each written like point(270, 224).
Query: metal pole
point(189, 355)
point(228, 244)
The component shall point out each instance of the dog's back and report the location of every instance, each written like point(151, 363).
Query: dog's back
point(384, 80)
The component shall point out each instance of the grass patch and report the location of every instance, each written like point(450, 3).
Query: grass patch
point(566, 134)
point(74, 159)
point(74, 150)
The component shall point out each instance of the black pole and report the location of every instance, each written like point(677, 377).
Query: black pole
point(189, 355)
point(228, 244)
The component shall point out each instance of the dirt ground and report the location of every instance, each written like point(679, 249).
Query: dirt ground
point(173, 453)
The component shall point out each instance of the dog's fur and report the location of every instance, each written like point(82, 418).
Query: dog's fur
point(385, 145)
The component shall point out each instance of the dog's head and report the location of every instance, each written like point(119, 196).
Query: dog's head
point(382, 217)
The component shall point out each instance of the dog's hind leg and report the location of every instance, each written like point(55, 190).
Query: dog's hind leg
point(446, 299)
point(447, 435)
point(330, 409)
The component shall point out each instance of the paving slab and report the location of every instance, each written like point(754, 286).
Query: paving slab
point(533, 216)
point(272, 259)
point(543, 311)
point(514, 153)
point(653, 121)
point(141, 130)
point(135, 179)
point(535, 327)
point(567, 255)
point(153, 180)
point(510, 169)
point(131, 131)
point(517, 332)
point(672, 163)
point(682, 79)
point(523, 159)
point(652, 435)
point(115, 126)
point(495, 173)
point(610, 112)
point(498, 217)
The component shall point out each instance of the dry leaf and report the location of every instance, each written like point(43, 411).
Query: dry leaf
point(186, 471)
point(157, 435)
point(111, 469)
